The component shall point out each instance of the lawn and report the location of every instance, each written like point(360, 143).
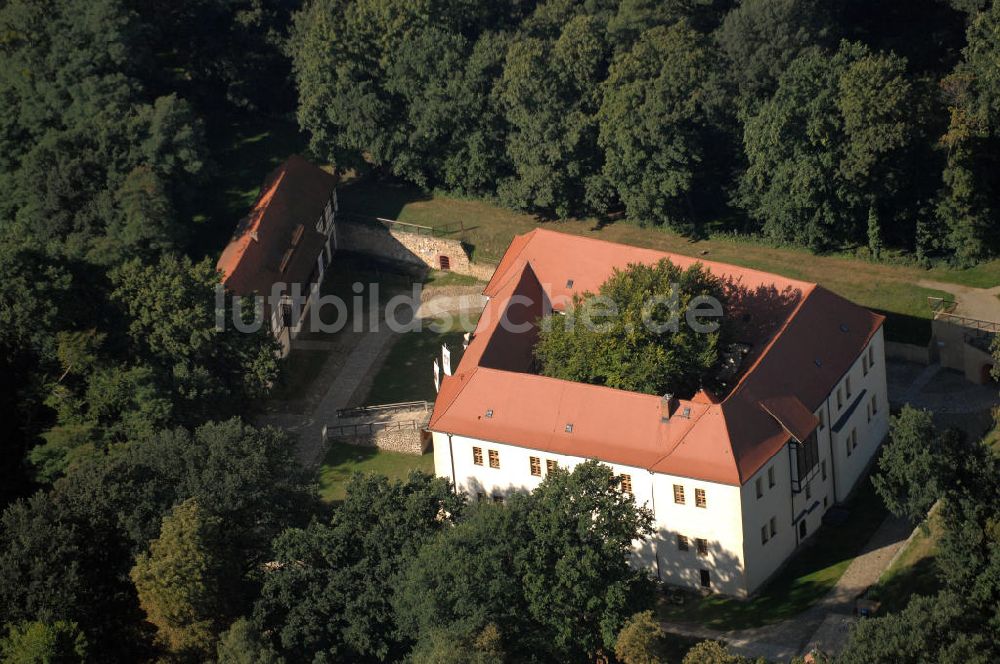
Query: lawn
point(407, 374)
point(914, 571)
point(806, 578)
point(246, 150)
point(488, 229)
point(343, 460)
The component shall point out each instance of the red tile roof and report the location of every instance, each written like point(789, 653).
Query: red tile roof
point(293, 194)
point(803, 340)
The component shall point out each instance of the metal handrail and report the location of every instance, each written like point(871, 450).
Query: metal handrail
point(406, 226)
point(383, 408)
point(341, 430)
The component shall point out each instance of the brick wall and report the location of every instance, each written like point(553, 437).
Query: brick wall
point(409, 248)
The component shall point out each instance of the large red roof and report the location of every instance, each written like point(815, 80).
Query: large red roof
point(293, 194)
point(802, 339)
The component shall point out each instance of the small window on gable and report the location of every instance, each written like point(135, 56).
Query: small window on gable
point(871, 356)
point(760, 487)
point(864, 364)
point(847, 384)
point(770, 477)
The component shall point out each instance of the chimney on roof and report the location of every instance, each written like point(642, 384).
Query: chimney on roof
point(667, 406)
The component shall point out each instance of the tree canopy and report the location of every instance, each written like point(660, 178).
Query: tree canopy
point(636, 334)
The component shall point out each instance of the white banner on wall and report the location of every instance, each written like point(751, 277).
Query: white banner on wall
point(446, 360)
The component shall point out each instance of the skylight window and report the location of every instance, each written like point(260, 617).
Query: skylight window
point(569, 428)
point(686, 412)
point(569, 283)
point(843, 327)
point(489, 412)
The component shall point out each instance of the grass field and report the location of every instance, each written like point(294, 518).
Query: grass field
point(406, 374)
point(245, 152)
point(488, 229)
point(344, 460)
point(913, 572)
point(807, 578)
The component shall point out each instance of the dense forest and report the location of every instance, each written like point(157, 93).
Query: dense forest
point(828, 124)
point(143, 519)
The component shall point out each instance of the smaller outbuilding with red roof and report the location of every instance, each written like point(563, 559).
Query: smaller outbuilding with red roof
point(284, 245)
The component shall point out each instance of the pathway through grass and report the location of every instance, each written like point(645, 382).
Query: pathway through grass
point(489, 229)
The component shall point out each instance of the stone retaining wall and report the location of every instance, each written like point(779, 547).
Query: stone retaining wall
point(408, 248)
point(413, 441)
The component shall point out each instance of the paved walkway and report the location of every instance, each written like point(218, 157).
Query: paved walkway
point(823, 624)
point(363, 352)
point(978, 303)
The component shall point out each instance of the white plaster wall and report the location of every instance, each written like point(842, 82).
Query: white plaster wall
point(762, 560)
point(870, 434)
point(719, 523)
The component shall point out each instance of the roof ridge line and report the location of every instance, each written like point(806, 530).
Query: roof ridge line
point(774, 340)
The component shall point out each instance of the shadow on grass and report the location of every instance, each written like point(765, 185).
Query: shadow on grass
point(343, 460)
point(379, 197)
point(810, 574)
point(244, 151)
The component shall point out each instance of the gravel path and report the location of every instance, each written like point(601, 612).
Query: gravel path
point(978, 303)
point(781, 641)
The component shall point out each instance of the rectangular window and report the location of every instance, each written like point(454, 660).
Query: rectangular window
point(840, 397)
point(627, 483)
point(706, 580)
point(822, 418)
point(760, 487)
point(874, 404)
point(809, 493)
point(822, 468)
point(807, 456)
point(763, 534)
point(679, 494)
point(536, 466)
point(854, 438)
point(494, 459)
point(699, 497)
point(847, 384)
point(550, 465)
point(682, 543)
point(770, 477)
point(871, 356)
point(774, 527)
point(864, 365)
point(477, 456)
point(702, 546)
point(847, 443)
